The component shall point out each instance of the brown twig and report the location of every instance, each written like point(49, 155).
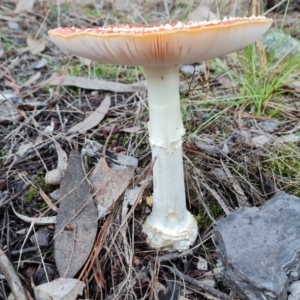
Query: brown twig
point(202, 286)
point(12, 277)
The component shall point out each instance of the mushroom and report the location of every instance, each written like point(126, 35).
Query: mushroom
point(160, 49)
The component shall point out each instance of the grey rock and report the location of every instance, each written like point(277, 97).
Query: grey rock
point(269, 125)
point(13, 25)
point(294, 291)
point(41, 238)
point(55, 195)
point(260, 248)
point(280, 45)
point(193, 69)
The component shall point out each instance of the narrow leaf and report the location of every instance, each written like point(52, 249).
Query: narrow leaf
point(93, 119)
point(96, 84)
point(36, 221)
point(76, 223)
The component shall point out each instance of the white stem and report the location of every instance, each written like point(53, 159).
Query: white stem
point(170, 224)
point(165, 126)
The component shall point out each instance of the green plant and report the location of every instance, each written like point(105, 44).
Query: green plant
point(104, 71)
point(185, 14)
point(58, 10)
point(260, 78)
point(91, 12)
point(8, 43)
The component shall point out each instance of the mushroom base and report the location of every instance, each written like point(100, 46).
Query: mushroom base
point(170, 225)
point(178, 238)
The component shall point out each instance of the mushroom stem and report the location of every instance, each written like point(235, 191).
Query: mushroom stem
point(170, 224)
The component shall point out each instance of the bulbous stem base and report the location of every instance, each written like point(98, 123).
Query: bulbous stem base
point(179, 238)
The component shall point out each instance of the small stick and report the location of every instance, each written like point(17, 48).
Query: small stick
point(24, 251)
point(12, 277)
point(201, 286)
point(106, 142)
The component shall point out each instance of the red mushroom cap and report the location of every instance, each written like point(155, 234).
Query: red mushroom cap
point(161, 45)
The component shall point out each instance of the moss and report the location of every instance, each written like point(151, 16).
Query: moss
point(201, 220)
point(284, 162)
point(216, 210)
point(33, 192)
point(31, 195)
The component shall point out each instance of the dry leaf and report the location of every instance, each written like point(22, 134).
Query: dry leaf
point(93, 119)
point(8, 111)
point(35, 46)
point(36, 221)
point(35, 77)
point(117, 160)
point(133, 129)
point(207, 147)
point(24, 5)
point(59, 289)
point(55, 176)
point(48, 200)
point(76, 221)
point(62, 158)
point(95, 84)
point(108, 184)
